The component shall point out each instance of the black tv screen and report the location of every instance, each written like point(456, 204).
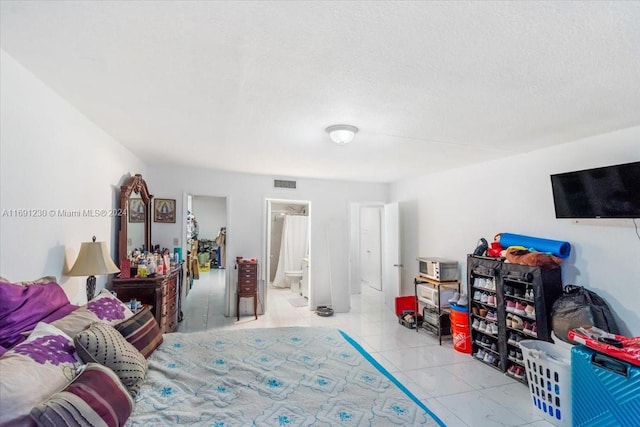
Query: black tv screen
point(607, 192)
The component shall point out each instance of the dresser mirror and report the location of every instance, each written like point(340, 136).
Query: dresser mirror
point(135, 224)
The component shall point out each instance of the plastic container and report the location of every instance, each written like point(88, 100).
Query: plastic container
point(405, 303)
point(460, 329)
point(548, 368)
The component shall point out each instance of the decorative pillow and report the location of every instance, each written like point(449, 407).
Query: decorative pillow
point(22, 307)
point(104, 308)
point(101, 343)
point(141, 331)
point(95, 398)
point(34, 370)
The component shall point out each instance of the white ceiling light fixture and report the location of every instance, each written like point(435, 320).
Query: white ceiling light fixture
point(342, 134)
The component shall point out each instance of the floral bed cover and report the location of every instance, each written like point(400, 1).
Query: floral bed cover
point(293, 376)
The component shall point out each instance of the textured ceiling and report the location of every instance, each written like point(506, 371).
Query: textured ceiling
point(251, 86)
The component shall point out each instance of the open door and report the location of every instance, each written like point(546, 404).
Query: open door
point(391, 265)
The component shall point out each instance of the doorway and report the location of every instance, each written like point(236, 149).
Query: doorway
point(206, 246)
point(288, 225)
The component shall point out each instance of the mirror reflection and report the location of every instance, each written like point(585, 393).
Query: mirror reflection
point(136, 227)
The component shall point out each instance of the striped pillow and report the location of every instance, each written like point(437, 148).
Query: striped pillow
point(94, 398)
point(101, 343)
point(141, 331)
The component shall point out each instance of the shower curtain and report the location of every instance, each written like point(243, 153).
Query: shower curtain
point(293, 247)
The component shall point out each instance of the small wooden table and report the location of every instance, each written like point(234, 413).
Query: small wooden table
point(247, 284)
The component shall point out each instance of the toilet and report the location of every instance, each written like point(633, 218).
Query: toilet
point(293, 279)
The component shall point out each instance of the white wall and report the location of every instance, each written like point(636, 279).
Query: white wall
point(53, 159)
point(246, 195)
point(211, 214)
point(452, 210)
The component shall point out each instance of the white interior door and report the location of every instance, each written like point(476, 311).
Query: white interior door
point(391, 253)
point(370, 247)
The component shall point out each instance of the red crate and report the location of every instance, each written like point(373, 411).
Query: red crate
point(405, 303)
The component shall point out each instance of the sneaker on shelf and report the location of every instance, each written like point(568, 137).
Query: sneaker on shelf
point(512, 339)
point(483, 312)
point(530, 311)
point(489, 358)
point(492, 329)
point(491, 315)
point(508, 290)
point(480, 354)
point(519, 356)
point(482, 327)
point(485, 340)
point(534, 328)
point(491, 284)
point(491, 299)
point(518, 339)
point(484, 297)
point(474, 310)
point(512, 353)
point(527, 328)
point(510, 305)
point(519, 309)
point(478, 282)
point(477, 295)
point(509, 320)
point(454, 299)
point(519, 373)
point(512, 370)
point(529, 294)
point(517, 292)
point(516, 323)
point(463, 301)
point(494, 347)
point(475, 324)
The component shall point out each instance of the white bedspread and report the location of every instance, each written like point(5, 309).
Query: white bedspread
point(271, 377)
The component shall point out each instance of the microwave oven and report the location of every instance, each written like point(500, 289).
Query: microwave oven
point(439, 269)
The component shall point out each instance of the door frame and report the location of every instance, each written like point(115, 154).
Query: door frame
point(266, 269)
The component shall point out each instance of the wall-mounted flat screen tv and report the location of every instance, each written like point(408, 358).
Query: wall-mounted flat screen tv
point(607, 192)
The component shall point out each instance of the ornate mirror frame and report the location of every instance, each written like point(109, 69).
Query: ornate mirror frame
point(135, 185)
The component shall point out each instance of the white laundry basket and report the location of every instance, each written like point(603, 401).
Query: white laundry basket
point(548, 368)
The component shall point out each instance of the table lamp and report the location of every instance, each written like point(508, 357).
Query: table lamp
point(92, 260)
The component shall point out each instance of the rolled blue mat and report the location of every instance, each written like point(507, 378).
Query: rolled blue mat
point(555, 247)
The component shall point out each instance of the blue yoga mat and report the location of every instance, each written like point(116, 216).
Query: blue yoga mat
point(555, 247)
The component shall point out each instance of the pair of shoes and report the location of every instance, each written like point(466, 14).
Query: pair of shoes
point(519, 309)
point(489, 358)
point(475, 324)
point(484, 297)
point(491, 315)
point(508, 290)
point(482, 327)
point(516, 323)
point(530, 311)
point(529, 294)
point(477, 295)
point(492, 329)
point(483, 312)
point(479, 282)
point(480, 354)
point(519, 357)
point(474, 310)
point(527, 328)
point(519, 373)
point(510, 305)
point(491, 299)
point(514, 339)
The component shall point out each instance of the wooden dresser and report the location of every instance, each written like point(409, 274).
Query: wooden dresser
point(162, 293)
point(247, 284)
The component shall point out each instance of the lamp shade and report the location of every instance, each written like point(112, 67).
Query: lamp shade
point(342, 134)
point(93, 260)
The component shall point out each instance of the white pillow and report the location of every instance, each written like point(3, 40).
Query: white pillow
point(34, 370)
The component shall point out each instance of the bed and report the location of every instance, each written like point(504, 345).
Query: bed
point(292, 376)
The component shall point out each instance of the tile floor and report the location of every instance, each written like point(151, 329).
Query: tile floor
point(460, 390)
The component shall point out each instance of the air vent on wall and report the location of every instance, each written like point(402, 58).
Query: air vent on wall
point(281, 183)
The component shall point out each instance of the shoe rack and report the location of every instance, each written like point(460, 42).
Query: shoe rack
point(485, 314)
point(523, 297)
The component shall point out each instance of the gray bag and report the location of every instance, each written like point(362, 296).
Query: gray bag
point(581, 307)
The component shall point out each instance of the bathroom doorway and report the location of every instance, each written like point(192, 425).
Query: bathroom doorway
point(288, 225)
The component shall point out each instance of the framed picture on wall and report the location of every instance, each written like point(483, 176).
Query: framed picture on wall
point(136, 210)
point(164, 210)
